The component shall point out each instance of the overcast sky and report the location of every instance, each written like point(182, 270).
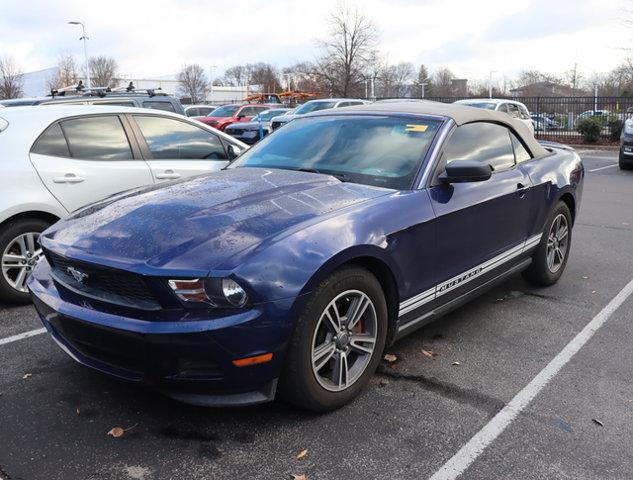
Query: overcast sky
point(154, 38)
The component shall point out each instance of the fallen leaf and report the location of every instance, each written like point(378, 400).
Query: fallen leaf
point(299, 477)
point(116, 432)
point(585, 277)
point(456, 364)
point(302, 454)
point(593, 291)
point(389, 357)
point(77, 410)
point(428, 353)
point(597, 422)
point(27, 375)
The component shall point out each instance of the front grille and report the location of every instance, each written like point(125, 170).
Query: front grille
point(103, 283)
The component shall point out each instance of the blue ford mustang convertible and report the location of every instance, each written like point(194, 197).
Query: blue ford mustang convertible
point(289, 272)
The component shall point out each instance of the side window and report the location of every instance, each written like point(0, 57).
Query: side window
point(503, 108)
point(525, 115)
point(115, 103)
point(193, 112)
point(482, 142)
point(97, 138)
point(343, 104)
point(520, 152)
point(168, 138)
point(158, 105)
point(204, 111)
point(247, 112)
point(52, 142)
point(513, 110)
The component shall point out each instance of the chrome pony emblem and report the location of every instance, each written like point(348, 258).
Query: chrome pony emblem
point(77, 275)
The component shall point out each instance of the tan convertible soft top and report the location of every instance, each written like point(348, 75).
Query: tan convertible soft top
point(460, 114)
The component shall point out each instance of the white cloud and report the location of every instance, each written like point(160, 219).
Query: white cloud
point(150, 38)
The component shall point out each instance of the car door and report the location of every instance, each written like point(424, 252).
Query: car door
point(84, 159)
point(477, 222)
point(175, 148)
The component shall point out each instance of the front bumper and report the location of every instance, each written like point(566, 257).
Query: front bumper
point(189, 358)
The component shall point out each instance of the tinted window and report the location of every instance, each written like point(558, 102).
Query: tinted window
point(247, 112)
point(381, 150)
point(193, 112)
point(314, 106)
point(173, 139)
point(118, 104)
point(226, 111)
point(520, 152)
point(205, 110)
point(97, 138)
point(166, 106)
point(483, 142)
point(52, 142)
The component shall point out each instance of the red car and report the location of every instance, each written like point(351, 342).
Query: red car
point(228, 114)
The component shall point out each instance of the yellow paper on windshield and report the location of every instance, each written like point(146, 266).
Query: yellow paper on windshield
point(415, 127)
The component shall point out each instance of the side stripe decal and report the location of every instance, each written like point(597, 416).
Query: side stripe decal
point(465, 277)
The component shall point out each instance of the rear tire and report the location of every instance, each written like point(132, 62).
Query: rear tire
point(624, 162)
point(320, 351)
point(550, 258)
point(19, 252)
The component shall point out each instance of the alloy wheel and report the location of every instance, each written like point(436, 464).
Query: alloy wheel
point(557, 242)
point(344, 340)
point(19, 259)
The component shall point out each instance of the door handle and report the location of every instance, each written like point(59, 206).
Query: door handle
point(68, 178)
point(521, 189)
point(168, 175)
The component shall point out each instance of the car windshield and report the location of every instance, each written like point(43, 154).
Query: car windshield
point(485, 105)
point(383, 151)
point(314, 107)
point(225, 111)
point(267, 115)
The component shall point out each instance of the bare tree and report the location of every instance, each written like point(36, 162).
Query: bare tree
point(236, 76)
point(11, 78)
point(345, 54)
point(193, 83)
point(103, 71)
point(443, 82)
point(66, 73)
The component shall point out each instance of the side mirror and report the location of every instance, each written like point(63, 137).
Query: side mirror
point(462, 171)
point(233, 151)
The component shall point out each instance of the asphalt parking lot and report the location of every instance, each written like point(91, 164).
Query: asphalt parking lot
point(418, 412)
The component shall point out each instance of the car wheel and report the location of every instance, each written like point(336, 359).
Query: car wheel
point(20, 251)
point(625, 163)
point(337, 343)
point(550, 258)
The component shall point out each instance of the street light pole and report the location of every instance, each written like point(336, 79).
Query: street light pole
point(211, 67)
point(490, 83)
point(85, 39)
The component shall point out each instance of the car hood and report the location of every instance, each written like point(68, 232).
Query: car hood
point(208, 222)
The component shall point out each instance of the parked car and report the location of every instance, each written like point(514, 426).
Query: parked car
point(60, 158)
point(544, 123)
point(137, 98)
point(594, 113)
point(223, 116)
point(511, 107)
point(291, 270)
point(315, 106)
point(199, 110)
point(626, 142)
point(248, 132)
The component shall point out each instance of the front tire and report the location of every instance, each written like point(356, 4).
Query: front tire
point(19, 252)
point(550, 258)
point(337, 343)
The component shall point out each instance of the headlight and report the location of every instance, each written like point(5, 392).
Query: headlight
point(628, 128)
point(215, 292)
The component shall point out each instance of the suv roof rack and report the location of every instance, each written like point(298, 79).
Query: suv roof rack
point(80, 89)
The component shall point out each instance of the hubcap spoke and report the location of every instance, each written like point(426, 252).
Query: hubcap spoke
point(363, 343)
point(340, 371)
point(322, 355)
point(356, 311)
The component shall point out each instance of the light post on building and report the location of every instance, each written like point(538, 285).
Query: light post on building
point(490, 83)
point(85, 39)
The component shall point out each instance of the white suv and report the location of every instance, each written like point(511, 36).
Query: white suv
point(56, 159)
point(511, 107)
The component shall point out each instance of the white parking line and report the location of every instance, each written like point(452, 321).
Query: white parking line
point(15, 338)
point(456, 465)
point(603, 168)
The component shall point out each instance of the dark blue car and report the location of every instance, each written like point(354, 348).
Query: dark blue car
point(290, 271)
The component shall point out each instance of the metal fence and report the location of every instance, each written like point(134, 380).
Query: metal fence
point(556, 118)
